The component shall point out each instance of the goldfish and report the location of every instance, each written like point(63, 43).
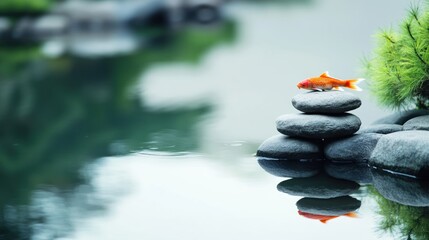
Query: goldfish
point(325, 218)
point(326, 82)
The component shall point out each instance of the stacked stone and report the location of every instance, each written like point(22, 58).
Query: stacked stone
point(324, 119)
point(324, 116)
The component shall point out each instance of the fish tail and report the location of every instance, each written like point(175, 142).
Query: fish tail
point(352, 83)
point(351, 214)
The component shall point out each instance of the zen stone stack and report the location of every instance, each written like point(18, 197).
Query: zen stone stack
point(323, 118)
point(325, 131)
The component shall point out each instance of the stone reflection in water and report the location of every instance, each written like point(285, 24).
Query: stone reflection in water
point(325, 197)
point(400, 189)
point(291, 168)
point(354, 171)
point(319, 186)
point(330, 208)
point(58, 114)
point(403, 204)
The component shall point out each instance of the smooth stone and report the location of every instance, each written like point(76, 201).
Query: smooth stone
point(291, 168)
point(401, 117)
point(357, 148)
point(319, 186)
point(328, 207)
point(381, 128)
point(356, 172)
point(404, 152)
point(318, 126)
point(285, 147)
point(326, 102)
point(400, 189)
point(417, 123)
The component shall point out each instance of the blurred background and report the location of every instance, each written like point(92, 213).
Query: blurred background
point(138, 119)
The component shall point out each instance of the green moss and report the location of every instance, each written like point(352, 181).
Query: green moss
point(399, 69)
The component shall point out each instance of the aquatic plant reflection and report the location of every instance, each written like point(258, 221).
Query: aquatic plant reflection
point(403, 204)
point(57, 115)
point(402, 221)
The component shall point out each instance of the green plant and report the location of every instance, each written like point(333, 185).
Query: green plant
point(399, 69)
point(25, 5)
point(403, 222)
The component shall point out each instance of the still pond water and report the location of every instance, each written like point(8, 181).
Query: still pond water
point(159, 143)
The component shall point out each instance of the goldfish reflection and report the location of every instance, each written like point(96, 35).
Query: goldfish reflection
point(325, 218)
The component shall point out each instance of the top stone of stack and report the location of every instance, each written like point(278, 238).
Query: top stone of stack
point(324, 115)
point(326, 102)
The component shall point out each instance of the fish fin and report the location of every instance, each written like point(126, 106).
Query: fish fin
point(352, 215)
point(325, 74)
point(324, 220)
point(339, 89)
point(318, 89)
point(352, 84)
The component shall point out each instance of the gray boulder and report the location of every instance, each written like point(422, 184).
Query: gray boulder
point(400, 189)
point(357, 148)
point(404, 152)
point(285, 147)
point(401, 117)
point(328, 207)
point(381, 128)
point(357, 172)
point(318, 126)
point(291, 168)
point(417, 123)
point(319, 186)
point(326, 102)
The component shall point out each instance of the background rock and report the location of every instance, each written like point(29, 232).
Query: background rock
point(357, 148)
point(404, 152)
point(417, 123)
point(401, 117)
point(381, 128)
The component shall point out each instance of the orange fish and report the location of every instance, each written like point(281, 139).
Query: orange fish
point(326, 82)
point(325, 218)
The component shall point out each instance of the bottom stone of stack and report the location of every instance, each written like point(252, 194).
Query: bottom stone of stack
point(290, 148)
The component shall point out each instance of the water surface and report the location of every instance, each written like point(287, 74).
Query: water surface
point(158, 143)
